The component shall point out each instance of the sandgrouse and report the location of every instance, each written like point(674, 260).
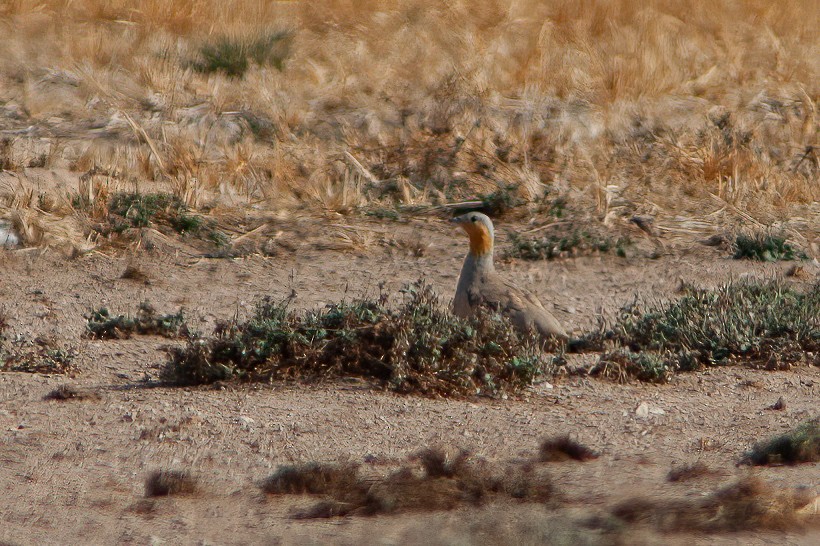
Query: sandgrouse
point(479, 285)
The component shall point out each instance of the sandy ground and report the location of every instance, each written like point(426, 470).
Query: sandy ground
point(74, 472)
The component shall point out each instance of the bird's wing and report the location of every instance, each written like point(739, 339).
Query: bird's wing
point(522, 307)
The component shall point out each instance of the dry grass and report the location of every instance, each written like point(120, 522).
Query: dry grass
point(668, 108)
point(746, 505)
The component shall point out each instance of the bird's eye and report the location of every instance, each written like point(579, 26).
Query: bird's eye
point(474, 218)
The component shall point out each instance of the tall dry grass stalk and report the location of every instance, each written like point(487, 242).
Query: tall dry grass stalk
point(668, 104)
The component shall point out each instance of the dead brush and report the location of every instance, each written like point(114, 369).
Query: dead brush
point(445, 481)
point(747, 505)
point(64, 393)
point(164, 483)
point(686, 472)
point(311, 479)
point(564, 448)
point(135, 273)
point(417, 348)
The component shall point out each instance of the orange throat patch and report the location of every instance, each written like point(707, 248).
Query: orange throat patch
point(480, 240)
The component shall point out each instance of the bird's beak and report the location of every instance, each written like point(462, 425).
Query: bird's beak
point(457, 220)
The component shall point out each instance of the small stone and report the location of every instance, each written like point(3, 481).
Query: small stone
point(642, 410)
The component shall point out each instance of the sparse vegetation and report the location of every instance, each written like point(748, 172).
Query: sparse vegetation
point(102, 325)
point(163, 483)
point(746, 505)
point(765, 247)
point(445, 481)
point(766, 324)
point(135, 273)
point(417, 348)
point(165, 212)
point(647, 366)
point(233, 56)
point(3, 327)
point(137, 210)
point(800, 445)
point(127, 210)
point(383, 214)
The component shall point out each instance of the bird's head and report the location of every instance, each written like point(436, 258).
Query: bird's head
point(480, 229)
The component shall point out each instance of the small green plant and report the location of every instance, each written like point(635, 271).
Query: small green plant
point(765, 248)
point(186, 223)
point(234, 56)
point(41, 355)
point(417, 348)
point(217, 237)
point(38, 356)
point(138, 210)
point(800, 445)
point(549, 247)
point(384, 214)
point(102, 325)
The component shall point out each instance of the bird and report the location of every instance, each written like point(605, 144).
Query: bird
point(479, 285)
